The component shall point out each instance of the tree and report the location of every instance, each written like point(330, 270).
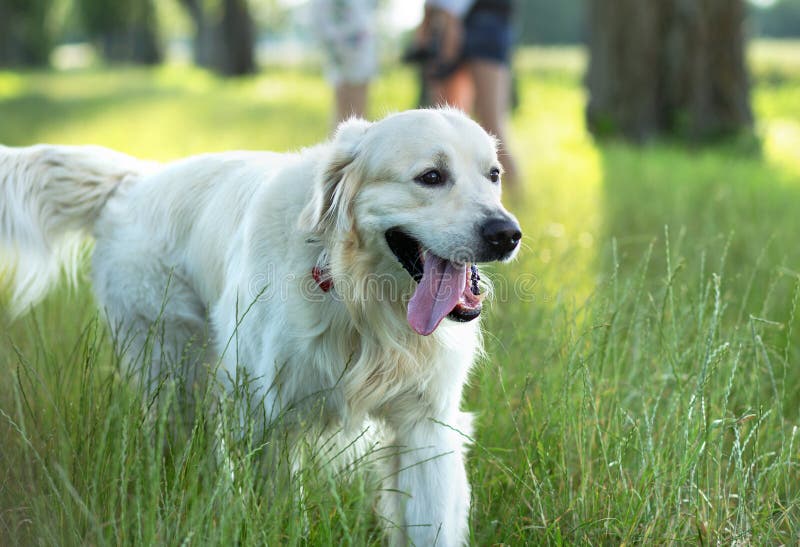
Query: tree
point(667, 67)
point(126, 30)
point(25, 38)
point(224, 38)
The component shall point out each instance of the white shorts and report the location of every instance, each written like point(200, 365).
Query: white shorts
point(346, 31)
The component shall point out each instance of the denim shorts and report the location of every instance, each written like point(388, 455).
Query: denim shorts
point(488, 35)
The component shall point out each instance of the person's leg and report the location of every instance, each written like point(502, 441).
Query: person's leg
point(448, 80)
point(351, 100)
point(456, 90)
point(346, 30)
point(492, 81)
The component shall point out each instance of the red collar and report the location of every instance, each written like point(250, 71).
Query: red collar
point(322, 277)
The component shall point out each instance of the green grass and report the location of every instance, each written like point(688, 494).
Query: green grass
point(643, 371)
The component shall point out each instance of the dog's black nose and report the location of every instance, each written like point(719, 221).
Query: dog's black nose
point(503, 234)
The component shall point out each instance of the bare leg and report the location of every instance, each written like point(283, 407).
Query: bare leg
point(456, 91)
point(492, 82)
point(351, 100)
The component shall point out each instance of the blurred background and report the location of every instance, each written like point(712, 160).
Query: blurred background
point(671, 67)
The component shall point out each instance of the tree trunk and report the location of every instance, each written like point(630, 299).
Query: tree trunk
point(145, 44)
point(125, 30)
point(203, 44)
point(226, 46)
point(667, 67)
point(237, 35)
point(24, 34)
point(137, 44)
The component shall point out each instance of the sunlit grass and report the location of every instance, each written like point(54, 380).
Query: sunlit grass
point(644, 357)
point(563, 173)
point(11, 85)
point(776, 56)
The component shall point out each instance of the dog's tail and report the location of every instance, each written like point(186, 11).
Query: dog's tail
point(50, 198)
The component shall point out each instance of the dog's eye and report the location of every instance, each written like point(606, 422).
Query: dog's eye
point(431, 178)
point(494, 174)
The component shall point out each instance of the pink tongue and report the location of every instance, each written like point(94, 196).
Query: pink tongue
point(437, 293)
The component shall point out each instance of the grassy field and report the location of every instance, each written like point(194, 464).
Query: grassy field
point(642, 383)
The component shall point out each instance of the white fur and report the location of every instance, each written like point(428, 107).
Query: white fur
point(232, 238)
point(49, 195)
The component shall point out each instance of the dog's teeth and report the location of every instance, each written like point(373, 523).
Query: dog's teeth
point(475, 273)
point(474, 278)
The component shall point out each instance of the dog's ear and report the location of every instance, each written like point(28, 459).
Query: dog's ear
point(336, 182)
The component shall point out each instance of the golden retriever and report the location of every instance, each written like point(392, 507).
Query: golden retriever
point(344, 276)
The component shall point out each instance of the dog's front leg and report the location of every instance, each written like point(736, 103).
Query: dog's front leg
point(432, 493)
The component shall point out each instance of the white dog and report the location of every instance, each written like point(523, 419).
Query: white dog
point(305, 263)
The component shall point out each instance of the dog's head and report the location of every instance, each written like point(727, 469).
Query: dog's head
point(421, 189)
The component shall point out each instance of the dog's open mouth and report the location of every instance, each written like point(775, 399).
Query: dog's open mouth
point(444, 288)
